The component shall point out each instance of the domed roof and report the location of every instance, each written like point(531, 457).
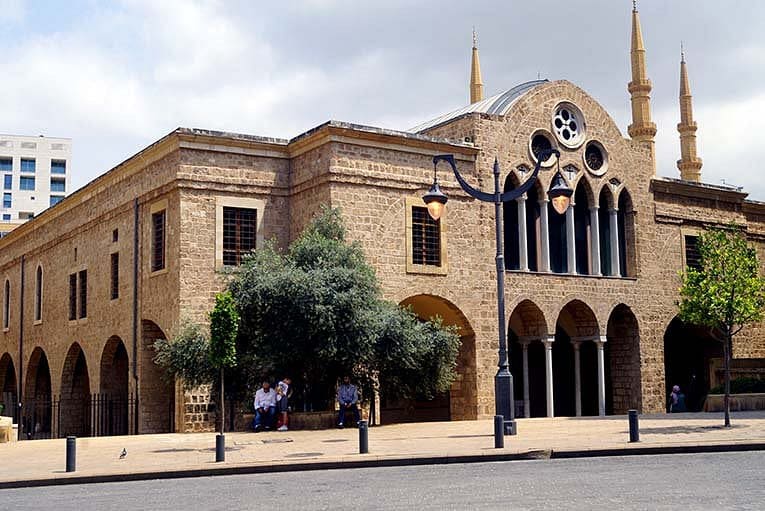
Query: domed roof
point(498, 104)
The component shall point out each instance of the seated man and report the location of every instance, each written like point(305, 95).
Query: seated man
point(347, 398)
point(265, 407)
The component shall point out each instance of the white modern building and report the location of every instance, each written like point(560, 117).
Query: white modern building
point(35, 176)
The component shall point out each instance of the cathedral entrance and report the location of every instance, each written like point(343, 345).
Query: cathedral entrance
point(688, 354)
point(460, 402)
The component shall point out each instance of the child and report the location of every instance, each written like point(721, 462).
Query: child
point(282, 402)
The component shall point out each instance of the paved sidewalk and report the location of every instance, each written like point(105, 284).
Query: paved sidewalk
point(178, 455)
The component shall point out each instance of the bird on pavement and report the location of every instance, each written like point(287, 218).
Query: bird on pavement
point(123, 454)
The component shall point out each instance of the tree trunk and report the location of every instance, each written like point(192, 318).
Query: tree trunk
point(727, 357)
point(222, 405)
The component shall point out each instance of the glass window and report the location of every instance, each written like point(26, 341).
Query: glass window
point(55, 199)
point(239, 229)
point(6, 217)
point(158, 240)
point(26, 183)
point(72, 296)
point(692, 255)
point(115, 284)
point(28, 165)
point(58, 166)
point(6, 164)
point(38, 294)
point(426, 238)
point(57, 185)
point(8, 182)
point(6, 200)
point(83, 293)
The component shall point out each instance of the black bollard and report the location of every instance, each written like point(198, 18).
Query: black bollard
point(71, 453)
point(363, 437)
point(634, 432)
point(499, 432)
point(220, 448)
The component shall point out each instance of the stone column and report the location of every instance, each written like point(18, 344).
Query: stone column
point(595, 240)
point(570, 240)
point(526, 400)
point(614, 228)
point(522, 236)
point(600, 343)
point(577, 378)
point(549, 374)
point(544, 235)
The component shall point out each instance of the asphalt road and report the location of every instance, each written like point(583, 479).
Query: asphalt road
point(684, 481)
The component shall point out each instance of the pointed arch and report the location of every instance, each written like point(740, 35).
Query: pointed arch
point(37, 408)
point(114, 389)
point(75, 394)
point(511, 226)
point(622, 354)
point(605, 205)
point(626, 225)
point(8, 386)
point(582, 228)
point(534, 203)
point(156, 395)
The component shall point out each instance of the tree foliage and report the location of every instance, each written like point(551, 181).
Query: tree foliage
point(726, 294)
point(224, 326)
point(187, 356)
point(316, 313)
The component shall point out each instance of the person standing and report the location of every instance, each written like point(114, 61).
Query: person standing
point(677, 400)
point(282, 402)
point(265, 407)
point(347, 399)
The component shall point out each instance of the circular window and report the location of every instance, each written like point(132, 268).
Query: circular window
point(595, 158)
point(541, 140)
point(568, 125)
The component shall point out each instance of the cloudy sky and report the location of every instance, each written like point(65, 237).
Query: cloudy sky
point(115, 76)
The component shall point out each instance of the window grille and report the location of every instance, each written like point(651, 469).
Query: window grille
point(158, 241)
point(83, 293)
point(692, 255)
point(115, 281)
point(426, 238)
point(239, 234)
point(72, 296)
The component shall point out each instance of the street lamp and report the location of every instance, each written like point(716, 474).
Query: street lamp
point(560, 196)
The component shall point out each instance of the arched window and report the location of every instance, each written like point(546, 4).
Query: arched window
point(38, 294)
point(533, 228)
point(510, 218)
point(604, 207)
point(582, 228)
point(626, 223)
point(7, 304)
point(558, 242)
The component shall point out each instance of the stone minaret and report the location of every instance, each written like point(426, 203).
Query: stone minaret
point(689, 163)
point(642, 128)
point(476, 84)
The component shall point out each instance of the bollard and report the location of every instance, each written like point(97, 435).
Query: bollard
point(363, 437)
point(634, 432)
point(220, 448)
point(499, 432)
point(71, 453)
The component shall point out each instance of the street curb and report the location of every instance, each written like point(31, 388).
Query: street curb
point(377, 463)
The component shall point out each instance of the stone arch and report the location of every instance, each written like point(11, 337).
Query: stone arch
point(575, 330)
point(8, 387)
point(112, 401)
point(624, 389)
point(37, 407)
point(626, 224)
point(527, 327)
point(605, 205)
point(156, 396)
point(75, 394)
point(461, 402)
point(692, 360)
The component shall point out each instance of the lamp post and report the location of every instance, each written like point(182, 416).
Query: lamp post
point(560, 196)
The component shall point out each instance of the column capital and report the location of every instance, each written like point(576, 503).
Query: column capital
point(576, 344)
point(543, 200)
point(594, 207)
point(600, 341)
point(547, 341)
point(521, 198)
point(613, 209)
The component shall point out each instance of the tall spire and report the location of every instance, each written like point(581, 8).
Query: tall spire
point(476, 83)
point(642, 128)
point(689, 163)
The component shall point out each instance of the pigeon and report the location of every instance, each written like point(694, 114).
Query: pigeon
point(123, 454)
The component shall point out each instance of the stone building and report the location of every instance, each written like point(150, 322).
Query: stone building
point(91, 283)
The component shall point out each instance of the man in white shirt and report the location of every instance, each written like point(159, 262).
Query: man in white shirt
point(265, 407)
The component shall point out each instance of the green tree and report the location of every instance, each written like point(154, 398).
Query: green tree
point(725, 294)
point(316, 312)
point(186, 356)
point(224, 326)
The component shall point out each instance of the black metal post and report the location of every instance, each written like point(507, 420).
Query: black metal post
point(499, 432)
point(503, 381)
point(363, 437)
point(71, 453)
point(220, 448)
point(634, 429)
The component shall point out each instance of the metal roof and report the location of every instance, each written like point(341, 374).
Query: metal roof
point(498, 104)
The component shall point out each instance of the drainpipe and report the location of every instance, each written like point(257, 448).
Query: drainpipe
point(135, 304)
point(20, 386)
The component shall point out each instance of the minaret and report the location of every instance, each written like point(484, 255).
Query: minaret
point(689, 163)
point(476, 84)
point(642, 128)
